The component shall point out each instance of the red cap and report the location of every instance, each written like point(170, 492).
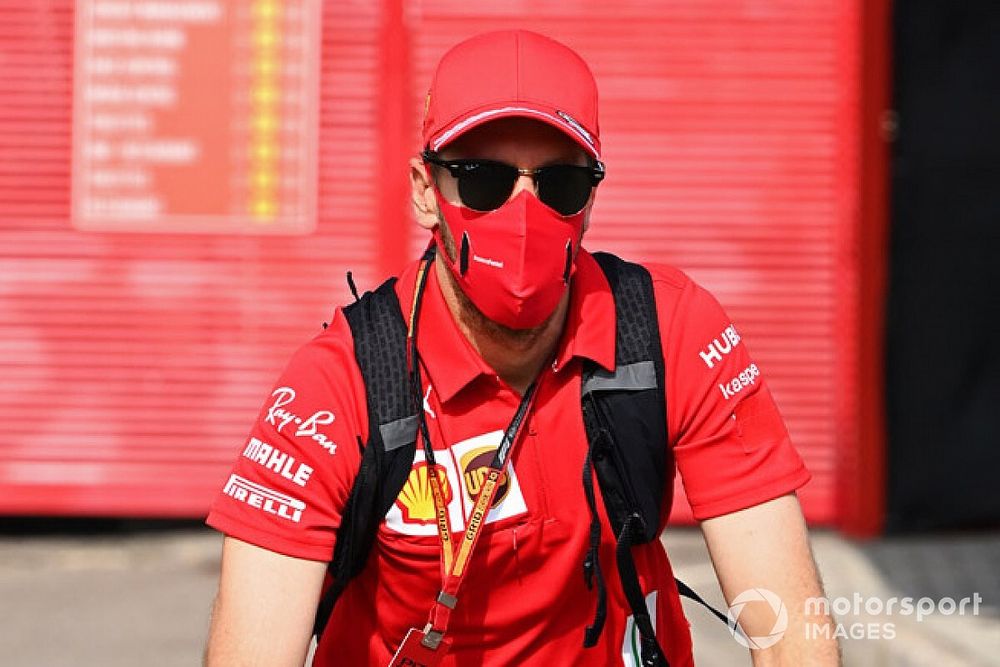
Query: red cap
point(511, 73)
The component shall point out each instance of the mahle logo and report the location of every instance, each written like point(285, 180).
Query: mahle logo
point(780, 618)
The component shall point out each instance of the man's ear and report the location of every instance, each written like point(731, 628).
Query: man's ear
point(425, 207)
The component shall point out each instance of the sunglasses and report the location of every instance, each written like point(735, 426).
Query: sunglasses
point(484, 185)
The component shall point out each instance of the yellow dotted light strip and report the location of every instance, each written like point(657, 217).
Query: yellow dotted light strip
point(265, 117)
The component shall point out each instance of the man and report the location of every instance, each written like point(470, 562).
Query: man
point(509, 310)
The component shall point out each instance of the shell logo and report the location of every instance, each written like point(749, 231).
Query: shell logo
point(416, 500)
point(475, 466)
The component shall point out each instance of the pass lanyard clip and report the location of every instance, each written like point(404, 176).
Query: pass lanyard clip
point(454, 558)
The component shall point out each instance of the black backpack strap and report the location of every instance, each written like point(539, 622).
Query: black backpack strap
point(379, 333)
point(625, 419)
point(628, 406)
point(690, 594)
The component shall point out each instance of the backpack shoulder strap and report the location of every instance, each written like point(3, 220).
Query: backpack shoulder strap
point(379, 333)
point(624, 414)
point(626, 421)
point(627, 427)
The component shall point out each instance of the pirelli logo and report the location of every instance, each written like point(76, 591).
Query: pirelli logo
point(265, 499)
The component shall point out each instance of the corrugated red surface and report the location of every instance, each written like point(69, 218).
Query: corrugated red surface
point(132, 365)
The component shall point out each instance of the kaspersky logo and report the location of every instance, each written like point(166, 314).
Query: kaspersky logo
point(780, 618)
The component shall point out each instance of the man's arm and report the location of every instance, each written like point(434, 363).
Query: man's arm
point(767, 546)
point(265, 608)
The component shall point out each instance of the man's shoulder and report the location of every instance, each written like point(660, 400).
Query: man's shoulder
point(664, 276)
point(337, 338)
point(327, 355)
point(331, 340)
point(679, 298)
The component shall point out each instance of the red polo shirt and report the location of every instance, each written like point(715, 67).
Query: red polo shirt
point(524, 600)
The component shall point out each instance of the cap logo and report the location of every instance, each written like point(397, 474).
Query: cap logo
point(580, 129)
point(427, 104)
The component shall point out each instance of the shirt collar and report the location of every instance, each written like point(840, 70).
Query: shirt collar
point(451, 361)
point(447, 355)
point(590, 322)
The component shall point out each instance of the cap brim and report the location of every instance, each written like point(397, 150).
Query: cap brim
point(559, 120)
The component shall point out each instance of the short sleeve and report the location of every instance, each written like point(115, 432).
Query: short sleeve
point(729, 441)
point(292, 475)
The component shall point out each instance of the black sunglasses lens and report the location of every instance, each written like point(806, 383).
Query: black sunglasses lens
point(485, 186)
point(565, 188)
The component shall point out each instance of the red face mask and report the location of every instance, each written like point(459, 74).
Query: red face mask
point(514, 263)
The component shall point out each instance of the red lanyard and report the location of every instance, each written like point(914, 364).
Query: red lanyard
point(455, 566)
point(455, 558)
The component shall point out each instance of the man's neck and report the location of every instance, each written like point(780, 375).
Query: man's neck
point(517, 356)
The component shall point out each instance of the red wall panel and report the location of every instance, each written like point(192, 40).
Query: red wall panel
point(132, 365)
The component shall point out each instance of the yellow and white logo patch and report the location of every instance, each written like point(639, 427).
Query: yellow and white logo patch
point(465, 467)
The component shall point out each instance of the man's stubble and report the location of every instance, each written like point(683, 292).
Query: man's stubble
point(474, 318)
